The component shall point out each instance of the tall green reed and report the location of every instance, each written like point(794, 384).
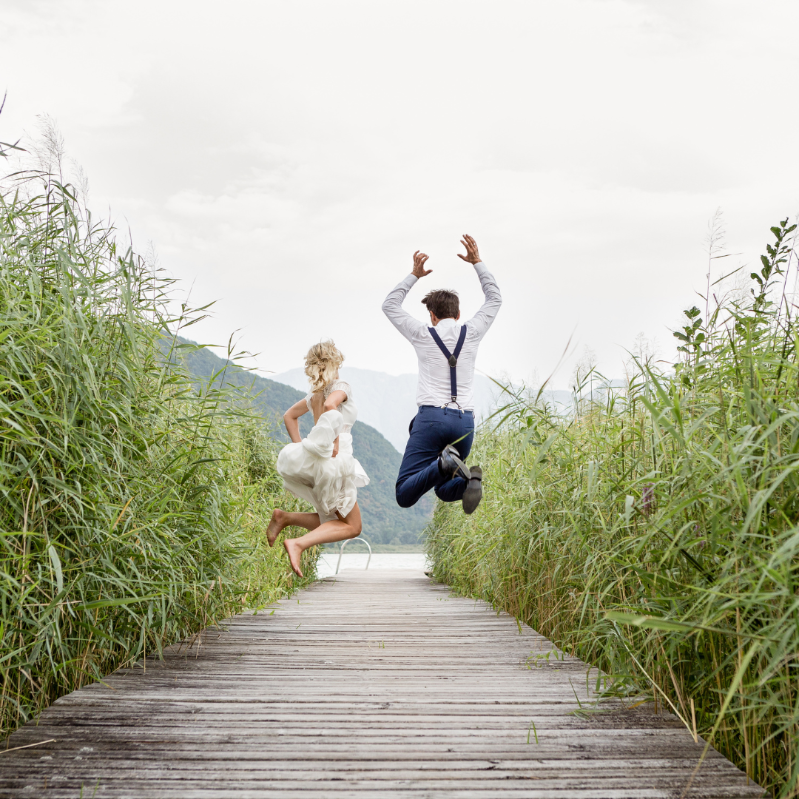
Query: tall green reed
point(133, 503)
point(654, 531)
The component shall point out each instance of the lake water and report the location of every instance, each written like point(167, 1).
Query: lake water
point(380, 560)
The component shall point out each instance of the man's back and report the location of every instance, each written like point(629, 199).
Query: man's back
point(434, 372)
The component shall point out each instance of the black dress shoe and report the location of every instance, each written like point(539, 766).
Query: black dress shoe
point(450, 465)
point(474, 491)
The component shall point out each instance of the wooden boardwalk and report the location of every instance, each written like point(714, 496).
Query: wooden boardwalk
point(372, 684)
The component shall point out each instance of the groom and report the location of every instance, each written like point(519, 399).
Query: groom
point(443, 429)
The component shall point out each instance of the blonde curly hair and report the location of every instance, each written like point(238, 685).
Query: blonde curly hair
point(322, 363)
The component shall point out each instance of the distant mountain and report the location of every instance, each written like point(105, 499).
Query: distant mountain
point(384, 522)
point(388, 402)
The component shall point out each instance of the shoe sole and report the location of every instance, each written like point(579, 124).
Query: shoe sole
point(474, 492)
point(462, 468)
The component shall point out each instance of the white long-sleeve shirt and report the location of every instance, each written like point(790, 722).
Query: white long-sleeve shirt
point(434, 373)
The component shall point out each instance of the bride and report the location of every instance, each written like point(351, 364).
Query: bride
point(321, 468)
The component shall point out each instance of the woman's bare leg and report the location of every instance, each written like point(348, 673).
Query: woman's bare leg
point(280, 520)
point(338, 530)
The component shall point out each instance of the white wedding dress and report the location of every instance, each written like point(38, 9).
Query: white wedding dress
point(310, 471)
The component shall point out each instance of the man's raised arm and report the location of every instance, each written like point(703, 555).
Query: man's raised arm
point(482, 320)
point(392, 305)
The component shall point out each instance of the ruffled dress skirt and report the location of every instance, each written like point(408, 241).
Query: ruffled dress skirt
point(310, 471)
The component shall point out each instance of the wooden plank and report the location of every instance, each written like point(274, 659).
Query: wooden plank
point(146, 789)
point(373, 684)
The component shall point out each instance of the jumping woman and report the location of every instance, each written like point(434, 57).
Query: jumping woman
point(321, 468)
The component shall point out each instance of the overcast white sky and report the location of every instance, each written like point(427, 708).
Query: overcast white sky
point(286, 158)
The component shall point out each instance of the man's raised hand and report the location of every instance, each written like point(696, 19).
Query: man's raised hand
point(419, 260)
point(472, 256)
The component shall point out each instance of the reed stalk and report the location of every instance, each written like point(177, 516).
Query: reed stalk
point(133, 502)
point(654, 531)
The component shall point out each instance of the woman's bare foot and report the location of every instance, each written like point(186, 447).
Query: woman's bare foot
point(275, 526)
point(294, 552)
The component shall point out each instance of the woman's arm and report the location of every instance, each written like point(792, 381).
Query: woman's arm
point(290, 418)
point(334, 400)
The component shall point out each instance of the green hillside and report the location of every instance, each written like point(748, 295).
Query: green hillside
point(384, 522)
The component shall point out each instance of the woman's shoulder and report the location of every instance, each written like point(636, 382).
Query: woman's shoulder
point(339, 385)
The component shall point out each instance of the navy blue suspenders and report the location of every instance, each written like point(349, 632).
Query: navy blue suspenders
point(452, 359)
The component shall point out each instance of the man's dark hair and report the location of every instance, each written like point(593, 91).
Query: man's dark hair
point(444, 304)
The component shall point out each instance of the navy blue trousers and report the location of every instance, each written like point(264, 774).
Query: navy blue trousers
point(432, 429)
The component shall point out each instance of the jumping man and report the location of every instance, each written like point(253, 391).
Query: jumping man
point(443, 429)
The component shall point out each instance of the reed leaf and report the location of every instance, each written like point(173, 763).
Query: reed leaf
point(653, 531)
point(133, 502)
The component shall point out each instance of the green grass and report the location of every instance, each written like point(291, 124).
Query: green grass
point(654, 532)
point(133, 506)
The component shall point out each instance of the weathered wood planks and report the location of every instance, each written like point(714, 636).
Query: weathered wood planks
point(372, 684)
